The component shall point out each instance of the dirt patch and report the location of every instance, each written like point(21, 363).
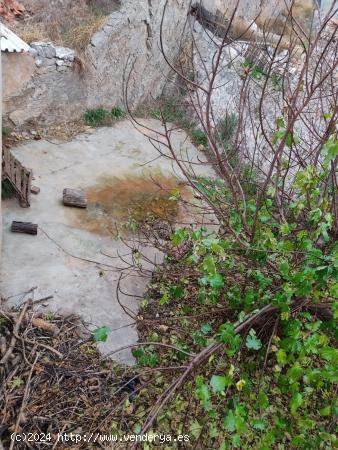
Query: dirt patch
point(130, 201)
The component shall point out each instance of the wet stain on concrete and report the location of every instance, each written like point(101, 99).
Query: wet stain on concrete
point(115, 201)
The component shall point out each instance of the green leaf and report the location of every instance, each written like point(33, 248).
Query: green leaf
point(259, 425)
point(137, 428)
point(280, 122)
point(285, 228)
point(334, 290)
point(296, 402)
point(252, 342)
point(330, 150)
point(202, 392)
point(281, 357)
point(101, 334)
point(177, 291)
point(241, 426)
point(289, 140)
point(330, 354)
point(206, 328)
point(227, 332)
point(294, 373)
point(325, 411)
point(277, 135)
point(164, 299)
point(218, 383)
point(284, 268)
point(216, 281)
point(315, 215)
point(208, 265)
point(178, 237)
point(236, 440)
point(195, 429)
point(175, 194)
point(230, 422)
point(16, 382)
point(262, 400)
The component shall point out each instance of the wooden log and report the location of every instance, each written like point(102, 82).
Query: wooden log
point(35, 190)
point(24, 227)
point(74, 197)
point(46, 326)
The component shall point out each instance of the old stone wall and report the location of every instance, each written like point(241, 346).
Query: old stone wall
point(51, 84)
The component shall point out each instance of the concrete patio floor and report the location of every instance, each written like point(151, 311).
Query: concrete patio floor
point(56, 261)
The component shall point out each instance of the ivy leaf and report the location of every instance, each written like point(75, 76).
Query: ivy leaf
point(101, 334)
point(252, 342)
point(218, 383)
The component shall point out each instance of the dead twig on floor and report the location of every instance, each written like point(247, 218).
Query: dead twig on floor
point(24, 401)
point(16, 329)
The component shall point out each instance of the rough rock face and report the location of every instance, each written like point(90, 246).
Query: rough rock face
point(51, 85)
point(252, 17)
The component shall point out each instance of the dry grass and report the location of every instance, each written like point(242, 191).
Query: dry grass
point(32, 33)
point(64, 22)
point(80, 36)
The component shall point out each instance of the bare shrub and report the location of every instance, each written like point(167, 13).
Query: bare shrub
point(269, 115)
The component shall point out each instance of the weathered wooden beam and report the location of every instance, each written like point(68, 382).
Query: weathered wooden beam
point(24, 227)
point(74, 197)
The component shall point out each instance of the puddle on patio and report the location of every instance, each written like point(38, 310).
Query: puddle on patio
point(116, 201)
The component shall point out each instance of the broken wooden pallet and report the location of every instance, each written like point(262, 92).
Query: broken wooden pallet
point(19, 176)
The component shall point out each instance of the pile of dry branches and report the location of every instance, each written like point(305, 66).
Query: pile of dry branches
point(53, 380)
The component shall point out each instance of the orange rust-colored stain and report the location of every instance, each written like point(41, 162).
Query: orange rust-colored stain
point(115, 201)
